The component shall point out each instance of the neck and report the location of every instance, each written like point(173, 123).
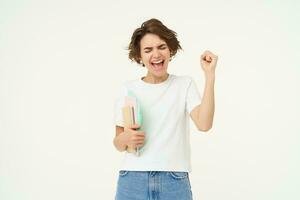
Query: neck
point(150, 78)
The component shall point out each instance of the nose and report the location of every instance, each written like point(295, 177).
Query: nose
point(156, 53)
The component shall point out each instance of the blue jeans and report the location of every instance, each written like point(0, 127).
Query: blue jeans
point(153, 185)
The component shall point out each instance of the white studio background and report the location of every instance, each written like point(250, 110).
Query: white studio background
point(62, 63)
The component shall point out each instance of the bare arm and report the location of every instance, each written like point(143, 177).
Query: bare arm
point(203, 114)
point(128, 137)
point(120, 139)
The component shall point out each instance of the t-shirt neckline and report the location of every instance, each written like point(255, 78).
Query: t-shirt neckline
point(156, 84)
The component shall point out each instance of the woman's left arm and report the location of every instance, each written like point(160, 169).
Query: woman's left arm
point(203, 114)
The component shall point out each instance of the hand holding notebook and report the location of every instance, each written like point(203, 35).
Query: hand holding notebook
point(131, 116)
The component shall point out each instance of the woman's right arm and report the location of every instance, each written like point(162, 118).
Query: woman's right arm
point(128, 137)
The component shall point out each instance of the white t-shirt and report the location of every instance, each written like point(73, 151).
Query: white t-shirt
point(166, 108)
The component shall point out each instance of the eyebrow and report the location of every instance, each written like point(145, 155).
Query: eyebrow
point(164, 44)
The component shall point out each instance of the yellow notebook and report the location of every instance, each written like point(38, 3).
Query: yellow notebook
point(129, 116)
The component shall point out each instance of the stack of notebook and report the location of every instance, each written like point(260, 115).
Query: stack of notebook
point(130, 116)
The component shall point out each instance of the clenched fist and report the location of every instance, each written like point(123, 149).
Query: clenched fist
point(208, 62)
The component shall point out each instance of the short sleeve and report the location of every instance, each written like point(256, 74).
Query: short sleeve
point(193, 97)
point(119, 103)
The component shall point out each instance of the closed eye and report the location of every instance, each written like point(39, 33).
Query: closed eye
point(162, 47)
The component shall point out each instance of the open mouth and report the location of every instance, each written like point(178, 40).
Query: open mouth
point(158, 65)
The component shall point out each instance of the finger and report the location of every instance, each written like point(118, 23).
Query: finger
point(139, 142)
point(139, 145)
point(213, 56)
point(138, 138)
point(209, 53)
point(203, 58)
point(140, 133)
point(207, 58)
point(135, 126)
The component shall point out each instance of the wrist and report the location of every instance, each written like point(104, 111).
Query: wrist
point(210, 76)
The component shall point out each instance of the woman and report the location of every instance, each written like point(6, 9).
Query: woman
point(161, 171)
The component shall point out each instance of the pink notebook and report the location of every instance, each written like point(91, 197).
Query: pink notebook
point(130, 115)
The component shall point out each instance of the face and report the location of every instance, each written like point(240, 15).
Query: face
point(155, 55)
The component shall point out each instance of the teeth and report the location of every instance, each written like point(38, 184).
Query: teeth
point(156, 62)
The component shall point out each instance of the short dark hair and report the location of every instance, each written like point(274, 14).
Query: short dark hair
point(156, 27)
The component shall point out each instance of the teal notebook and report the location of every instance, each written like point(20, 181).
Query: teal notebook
point(137, 116)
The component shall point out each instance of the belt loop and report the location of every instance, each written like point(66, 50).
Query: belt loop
point(152, 173)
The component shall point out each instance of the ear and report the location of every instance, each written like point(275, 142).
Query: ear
point(139, 61)
point(171, 54)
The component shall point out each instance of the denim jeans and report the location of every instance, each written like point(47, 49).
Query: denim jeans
point(153, 185)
